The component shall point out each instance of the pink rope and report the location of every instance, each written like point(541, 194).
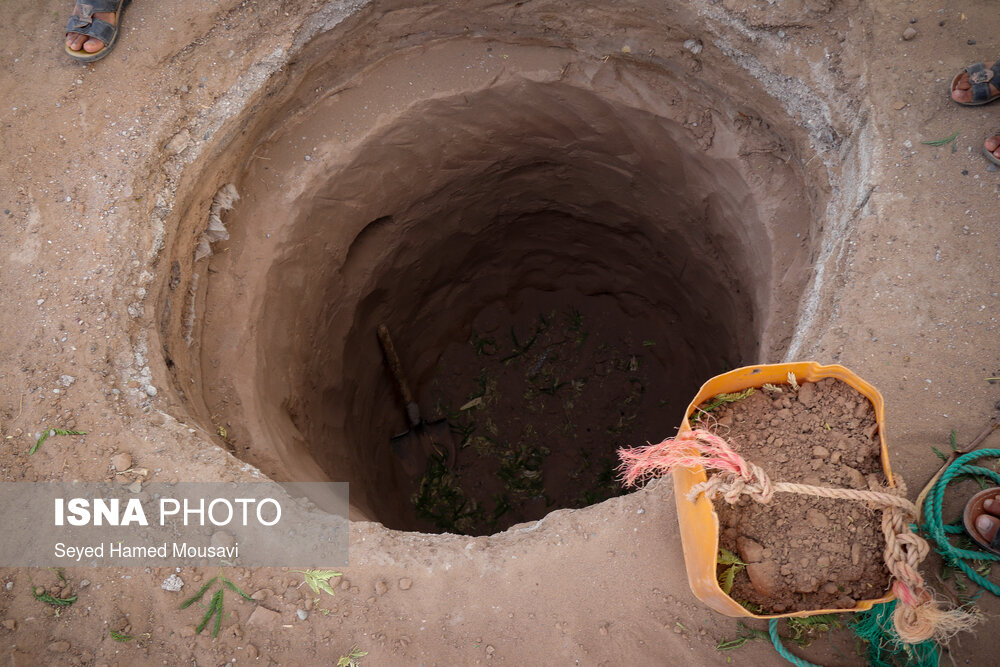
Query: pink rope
point(691, 449)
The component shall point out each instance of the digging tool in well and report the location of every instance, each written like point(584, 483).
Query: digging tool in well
point(423, 439)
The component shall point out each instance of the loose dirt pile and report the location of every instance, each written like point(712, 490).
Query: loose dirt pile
point(804, 552)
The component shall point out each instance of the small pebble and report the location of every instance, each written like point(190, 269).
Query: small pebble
point(971, 42)
point(84, 583)
point(405, 583)
point(381, 587)
point(302, 614)
point(172, 584)
point(693, 45)
point(909, 34)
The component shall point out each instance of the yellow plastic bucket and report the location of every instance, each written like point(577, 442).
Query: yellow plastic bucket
point(699, 524)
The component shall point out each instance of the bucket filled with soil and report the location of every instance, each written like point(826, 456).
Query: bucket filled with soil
point(790, 554)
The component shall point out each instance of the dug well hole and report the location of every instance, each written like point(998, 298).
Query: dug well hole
point(565, 257)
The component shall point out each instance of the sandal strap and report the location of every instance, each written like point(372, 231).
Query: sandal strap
point(980, 78)
point(92, 27)
point(88, 7)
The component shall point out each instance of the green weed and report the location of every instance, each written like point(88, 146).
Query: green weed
point(319, 580)
point(483, 345)
point(45, 597)
point(747, 634)
point(941, 142)
point(520, 348)
point(353, 658)
point(803, 629)
point(50, 432)
point(727, 557)
point(440, 499)
point(42, 595)
point(720, 399)
point(215, 604)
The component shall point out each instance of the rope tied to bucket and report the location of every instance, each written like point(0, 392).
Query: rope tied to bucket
point(917, 618)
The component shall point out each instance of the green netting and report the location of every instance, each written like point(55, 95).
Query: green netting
point(884, 648)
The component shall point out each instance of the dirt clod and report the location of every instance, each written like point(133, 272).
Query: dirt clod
point(764, 577)
point(817, 519)
point(261, 594)
point(264, 618)
point(121, 461)
point(750, 551)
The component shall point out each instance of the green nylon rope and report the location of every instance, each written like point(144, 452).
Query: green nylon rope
point(772, 629)
point(939, 532)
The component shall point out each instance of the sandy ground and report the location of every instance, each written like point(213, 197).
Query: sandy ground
point(908, 301)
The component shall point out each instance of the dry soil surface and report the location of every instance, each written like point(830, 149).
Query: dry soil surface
point(101, 163)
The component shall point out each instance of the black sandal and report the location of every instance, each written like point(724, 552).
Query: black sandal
point(980, 77)
point(86, 24)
